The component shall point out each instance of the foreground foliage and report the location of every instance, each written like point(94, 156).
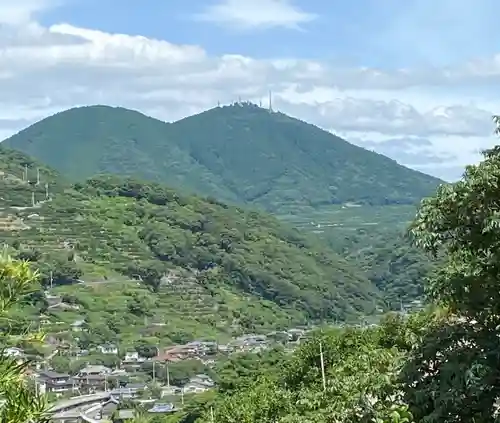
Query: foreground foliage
point(20, 403)
point(460, 359)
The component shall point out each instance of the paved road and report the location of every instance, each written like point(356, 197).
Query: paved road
point(75, 401)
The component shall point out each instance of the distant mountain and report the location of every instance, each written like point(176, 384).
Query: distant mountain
point(241, 154)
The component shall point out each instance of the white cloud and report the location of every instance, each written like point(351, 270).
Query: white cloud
point(22, 11)
point(245, 14)
point(44, 70)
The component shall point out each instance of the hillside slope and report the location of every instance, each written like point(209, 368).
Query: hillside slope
point(240, 153)
point(143, 249)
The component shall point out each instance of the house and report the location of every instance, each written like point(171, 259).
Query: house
point(202, 347)
point(49, 381)
point(202, 380)
point(93, 378)
point(166, 357)
point(108, 349)
point(129, 391)
point(249, 343)
point(96, 370)
point(198, 384)
point(131, 356)
point(194, 388)
point(182, 352)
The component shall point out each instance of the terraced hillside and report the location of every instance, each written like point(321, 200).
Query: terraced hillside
point(144, 257)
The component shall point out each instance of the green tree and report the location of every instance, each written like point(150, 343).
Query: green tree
point(21, 404)
point(454, 371)
point(360, 384)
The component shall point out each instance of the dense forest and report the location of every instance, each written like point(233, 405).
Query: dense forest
point(239, 154)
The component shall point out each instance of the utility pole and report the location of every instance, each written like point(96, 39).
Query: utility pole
point(46, 191)
point(37, 176)
point(154, 371)
point(33, 198)
point(322, 365)
point(168, 376)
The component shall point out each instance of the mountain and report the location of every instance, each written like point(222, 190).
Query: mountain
point(240, 154)
point(124, 252)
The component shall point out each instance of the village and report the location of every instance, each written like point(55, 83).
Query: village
point(168, 372)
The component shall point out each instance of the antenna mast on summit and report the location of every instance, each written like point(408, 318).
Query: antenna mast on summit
point(270, 102)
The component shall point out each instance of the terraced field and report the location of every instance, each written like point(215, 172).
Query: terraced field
point(343, 220)
point(181, 309)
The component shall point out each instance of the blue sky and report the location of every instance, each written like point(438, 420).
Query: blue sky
point(415, 80)
point(387, 34)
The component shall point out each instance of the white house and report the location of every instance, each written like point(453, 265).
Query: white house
point(108, 349)
point(131, 356)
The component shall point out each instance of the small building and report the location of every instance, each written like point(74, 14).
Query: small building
point(194, 388)
point(202, 380)
point(129, 391)
point(108, 349)
point(49, 381)
point(131, 356)
point(93, 378)
point(94, 370)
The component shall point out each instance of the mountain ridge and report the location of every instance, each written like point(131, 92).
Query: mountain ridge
point(241, 154)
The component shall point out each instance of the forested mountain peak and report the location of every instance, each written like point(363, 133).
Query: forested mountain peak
point(241, 153)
